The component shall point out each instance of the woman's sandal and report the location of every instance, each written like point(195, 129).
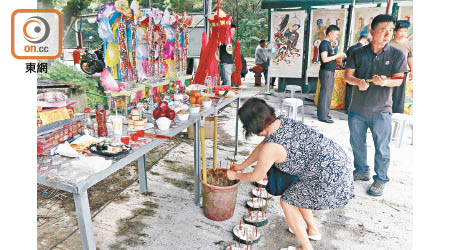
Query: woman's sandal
point(291, 248)
point(316, 237)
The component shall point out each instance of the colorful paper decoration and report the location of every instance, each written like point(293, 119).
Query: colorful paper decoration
point(221, 23)
point(140, 45)
point(237, 65)
point(123, 7)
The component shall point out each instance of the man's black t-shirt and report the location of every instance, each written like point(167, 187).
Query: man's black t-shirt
point(326, 46)
point(352, 48)
point(376, 99)
point(226, 57)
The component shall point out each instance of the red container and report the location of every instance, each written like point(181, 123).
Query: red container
point(134, 137)
point(140, 133)
point(125, 140)
point(102, 131)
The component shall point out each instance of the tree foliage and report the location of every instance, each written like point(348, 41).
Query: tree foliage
point(61, 72)
point(251, 21)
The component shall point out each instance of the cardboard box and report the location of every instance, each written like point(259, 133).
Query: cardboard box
point(209, 129)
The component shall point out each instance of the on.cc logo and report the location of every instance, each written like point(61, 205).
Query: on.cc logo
point(36, 34)
point(37, 25)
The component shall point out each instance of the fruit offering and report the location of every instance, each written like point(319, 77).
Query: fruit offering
point(195, 97)
point(163, 110)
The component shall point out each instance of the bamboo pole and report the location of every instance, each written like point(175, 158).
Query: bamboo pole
point(202, 141)
point(215, 142)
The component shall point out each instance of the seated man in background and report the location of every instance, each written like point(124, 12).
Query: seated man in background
point(262, 60)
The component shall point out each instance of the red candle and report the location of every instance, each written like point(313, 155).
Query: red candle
point(125, 140)
point(134, 137)
point(240, 225)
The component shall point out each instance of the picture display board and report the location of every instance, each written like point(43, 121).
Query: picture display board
point(406, 13)
point(320, 20)
point(363, 20)
point(287, 30)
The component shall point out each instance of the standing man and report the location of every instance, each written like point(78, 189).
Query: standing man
point(262, 60)
point(362, 41)
point(326, 73)
point(371, 105)
point(226, 59)
point(402, 43)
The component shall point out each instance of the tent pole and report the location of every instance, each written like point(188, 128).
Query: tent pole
point(350, 21)
point(205, 6)
point(389, 7)
point(306, 33)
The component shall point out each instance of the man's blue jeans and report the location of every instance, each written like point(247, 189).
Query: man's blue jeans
point(381, 127)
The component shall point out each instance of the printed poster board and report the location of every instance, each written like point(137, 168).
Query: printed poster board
point(363, 20)
point(320, 20)
point(287, 29)
point(406, 13)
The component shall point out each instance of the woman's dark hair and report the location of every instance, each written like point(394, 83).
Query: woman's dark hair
point(255, 116)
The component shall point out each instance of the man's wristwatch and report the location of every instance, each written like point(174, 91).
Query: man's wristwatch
point(384, 83)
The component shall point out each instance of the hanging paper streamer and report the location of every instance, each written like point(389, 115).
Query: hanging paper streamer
point(123, 7)
point(109, 83)
point(136, 11)
point(143, 45)
point(104, 30)
point(237, 65)
point(221, 23)
point(105, 11)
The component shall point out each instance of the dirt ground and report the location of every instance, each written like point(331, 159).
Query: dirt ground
point(167, 218)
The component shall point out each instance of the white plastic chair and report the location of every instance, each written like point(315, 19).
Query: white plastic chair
point(399, 123)
point(292, 89)
point(293, 103)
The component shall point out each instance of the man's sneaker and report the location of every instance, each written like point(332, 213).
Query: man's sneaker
point(361, 176)
point(376, 189)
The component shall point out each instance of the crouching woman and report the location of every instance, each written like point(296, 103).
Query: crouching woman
point(324, 171)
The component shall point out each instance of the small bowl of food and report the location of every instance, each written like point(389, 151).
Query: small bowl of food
point(207, 103)
point(163, 123)
point(183, 115)
point(178, 97)
point(194, 108)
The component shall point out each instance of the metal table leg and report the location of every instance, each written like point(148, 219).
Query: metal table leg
point(236, 135)
point(143, 188)
point(197, 186)
point(84, 220)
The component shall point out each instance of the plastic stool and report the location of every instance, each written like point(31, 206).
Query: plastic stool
point(293, 103)
point(399, 122)
point(293, 89)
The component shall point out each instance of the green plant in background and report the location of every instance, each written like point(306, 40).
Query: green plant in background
point(61, 72)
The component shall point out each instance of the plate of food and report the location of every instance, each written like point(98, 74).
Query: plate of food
point(109, 149)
